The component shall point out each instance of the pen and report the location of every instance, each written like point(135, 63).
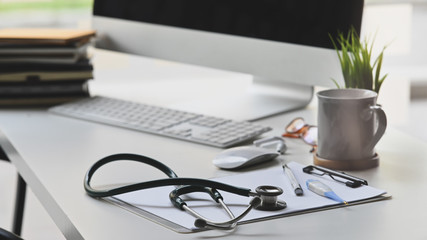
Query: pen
point(323, 190)
point(295, 185)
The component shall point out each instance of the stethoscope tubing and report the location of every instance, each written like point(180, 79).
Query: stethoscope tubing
point(173, 179)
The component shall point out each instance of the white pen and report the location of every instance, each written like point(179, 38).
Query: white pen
point(295, 185)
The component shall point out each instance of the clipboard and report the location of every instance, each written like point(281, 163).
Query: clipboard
point(154, 204)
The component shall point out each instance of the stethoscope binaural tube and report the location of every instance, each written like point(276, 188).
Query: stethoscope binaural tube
point(203, 222)
point(173, 179)
point(230, 224)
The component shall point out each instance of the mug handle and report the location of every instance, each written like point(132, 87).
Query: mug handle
point(382, 125)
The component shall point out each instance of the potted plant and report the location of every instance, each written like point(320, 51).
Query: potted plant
point(350, 122)
point(355, 56)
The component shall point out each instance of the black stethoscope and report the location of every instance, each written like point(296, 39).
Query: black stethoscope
point(264, 197)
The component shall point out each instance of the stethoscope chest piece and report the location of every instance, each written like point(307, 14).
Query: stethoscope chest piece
point(268, 195)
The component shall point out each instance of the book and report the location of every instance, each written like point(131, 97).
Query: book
point(43, 54)
point(25, 50)
point(47, 101)
point(41, 94)
point(13, 67)
point(70, 59)
point(44, 89)
point(44, 35)
point(45, 76)
point(43, 67)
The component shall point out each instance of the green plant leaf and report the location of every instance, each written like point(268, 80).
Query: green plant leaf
point(336, 83)
point(355, 57)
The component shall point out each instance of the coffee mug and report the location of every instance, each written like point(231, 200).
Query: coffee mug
point(350, 124)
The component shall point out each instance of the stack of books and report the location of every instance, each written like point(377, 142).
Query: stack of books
point(44, 67)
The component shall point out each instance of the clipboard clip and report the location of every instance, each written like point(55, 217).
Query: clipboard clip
point(348, 180)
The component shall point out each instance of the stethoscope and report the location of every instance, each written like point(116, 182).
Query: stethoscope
point(264, 197)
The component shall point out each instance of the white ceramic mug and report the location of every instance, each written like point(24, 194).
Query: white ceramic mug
point(350, 124)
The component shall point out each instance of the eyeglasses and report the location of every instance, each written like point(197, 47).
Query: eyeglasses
point(297, 128)
point(342, 177)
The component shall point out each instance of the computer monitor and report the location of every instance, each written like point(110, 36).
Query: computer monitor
point(284, 44)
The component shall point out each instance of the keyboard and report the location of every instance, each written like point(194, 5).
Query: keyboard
point(167, 122)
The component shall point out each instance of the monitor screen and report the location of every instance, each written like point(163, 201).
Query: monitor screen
point(284, 42)
point(300, 22)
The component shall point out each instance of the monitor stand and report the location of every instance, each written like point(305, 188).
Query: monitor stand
point(261, 99)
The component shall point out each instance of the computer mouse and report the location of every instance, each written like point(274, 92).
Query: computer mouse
point(240, 157)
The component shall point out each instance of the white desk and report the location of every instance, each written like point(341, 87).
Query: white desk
point(53, 154)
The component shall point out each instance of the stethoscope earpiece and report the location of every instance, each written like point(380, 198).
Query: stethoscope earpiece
point(255, 202)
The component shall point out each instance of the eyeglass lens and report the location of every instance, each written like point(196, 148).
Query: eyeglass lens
point(295, 126)
point(310, 136)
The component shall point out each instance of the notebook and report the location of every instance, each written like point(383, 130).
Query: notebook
point(44, 35)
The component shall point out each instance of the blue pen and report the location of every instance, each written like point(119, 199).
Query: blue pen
point(323, 190)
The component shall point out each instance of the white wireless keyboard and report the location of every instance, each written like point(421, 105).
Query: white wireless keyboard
point(192, 127)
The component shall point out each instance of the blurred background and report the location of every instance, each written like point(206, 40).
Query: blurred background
point(45, 13)
point(398, 24)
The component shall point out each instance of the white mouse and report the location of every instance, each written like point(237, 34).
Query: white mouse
point(239, 157)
